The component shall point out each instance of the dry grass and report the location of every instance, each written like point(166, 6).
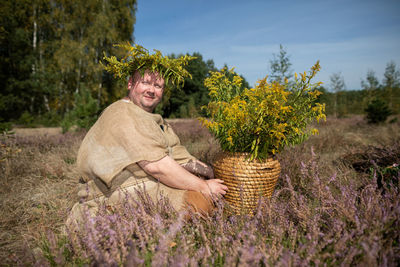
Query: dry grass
point(39, 178)
point(339, 138)
point(196, 139)
point(37, 188)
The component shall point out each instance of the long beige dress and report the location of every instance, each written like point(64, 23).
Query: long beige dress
point(107, 160)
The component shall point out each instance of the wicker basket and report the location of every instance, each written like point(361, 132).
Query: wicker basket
point(246, 180)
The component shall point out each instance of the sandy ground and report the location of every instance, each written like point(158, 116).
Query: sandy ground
point(57, 130)
point(37, 131)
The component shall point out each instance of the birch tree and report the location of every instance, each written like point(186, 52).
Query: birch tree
point(51, 49)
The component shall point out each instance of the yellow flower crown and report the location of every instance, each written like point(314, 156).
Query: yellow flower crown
point(138, 59)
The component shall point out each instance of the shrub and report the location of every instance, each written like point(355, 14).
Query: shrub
point(377, 111)
point(50, 119)
point(26, 119)
point(84, 114)
point(5, 126)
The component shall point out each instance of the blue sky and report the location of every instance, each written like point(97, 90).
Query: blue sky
point(347, 36)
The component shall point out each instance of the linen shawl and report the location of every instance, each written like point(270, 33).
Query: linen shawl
point(123, 135)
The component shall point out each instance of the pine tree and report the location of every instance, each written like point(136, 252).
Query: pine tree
point(391, 82)
point(377, 111)
point(337, 86)
point(370, 85)
point(281, 66)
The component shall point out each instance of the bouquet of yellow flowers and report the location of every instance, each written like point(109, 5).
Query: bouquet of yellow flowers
point(262, 120)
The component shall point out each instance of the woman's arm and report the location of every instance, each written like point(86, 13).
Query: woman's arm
point(170, 173)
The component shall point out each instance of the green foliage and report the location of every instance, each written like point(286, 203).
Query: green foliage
point(5, 127)
point(192, 111)
point(391, 76)
point(84, 114)
point(137, 58)
point(50, 48)
point(393, 120)
point(371, 82)
point(337, 86)
point(193, 91)
point(51, 243)
point(263, 120)
point(337, 82)
point(377, 111)
point(26, 119)
point(343, 102)
point(280, 66)
point(386, 176)
point(391, 85)
point(49, 119)
point(183, 112)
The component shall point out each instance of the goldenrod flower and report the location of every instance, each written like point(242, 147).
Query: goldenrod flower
point(264, 119)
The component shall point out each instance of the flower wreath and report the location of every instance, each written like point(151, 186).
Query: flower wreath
point(138, 59)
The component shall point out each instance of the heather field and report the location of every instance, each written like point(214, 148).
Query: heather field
point(336, 203)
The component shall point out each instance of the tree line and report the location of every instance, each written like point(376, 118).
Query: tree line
point(341, 102)
point(51, 72)
point(50, 52)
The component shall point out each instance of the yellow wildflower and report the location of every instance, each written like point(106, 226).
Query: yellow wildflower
point(314, 132)
point(264, 119)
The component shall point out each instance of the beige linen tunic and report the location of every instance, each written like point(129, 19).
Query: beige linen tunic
point(107, 160)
